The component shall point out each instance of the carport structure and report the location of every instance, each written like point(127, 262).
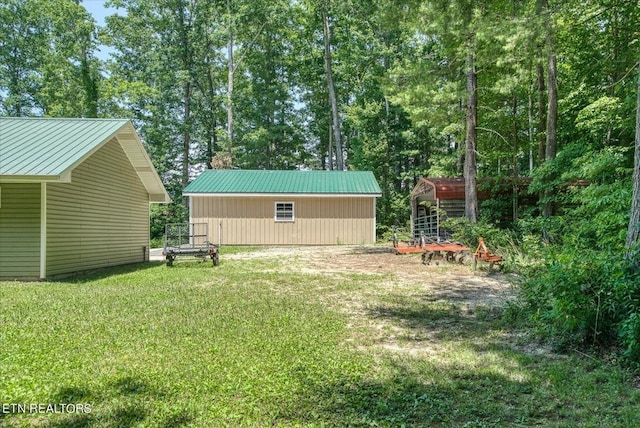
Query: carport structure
point(432, 201)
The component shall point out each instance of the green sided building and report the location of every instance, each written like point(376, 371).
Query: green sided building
point(74, 196)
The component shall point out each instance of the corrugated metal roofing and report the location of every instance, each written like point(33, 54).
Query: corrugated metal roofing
point(48, 147)
point(443, 188)
point(447, 188)
point(284, 182)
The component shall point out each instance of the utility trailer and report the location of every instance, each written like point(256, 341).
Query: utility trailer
point(188, 239)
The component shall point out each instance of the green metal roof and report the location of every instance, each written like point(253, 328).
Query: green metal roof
point(284, 182)
point(48, 149)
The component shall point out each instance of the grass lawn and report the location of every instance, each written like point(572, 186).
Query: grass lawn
point(263, 341)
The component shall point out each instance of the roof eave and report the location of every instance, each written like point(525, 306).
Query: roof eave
point(18, 178)
point(159, 198)
point(135, 151)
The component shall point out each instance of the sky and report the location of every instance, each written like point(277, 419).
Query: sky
point(98, 9)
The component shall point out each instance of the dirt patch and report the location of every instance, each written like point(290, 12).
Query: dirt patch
point(408, 309)
point(402, 307)
point(443, 281)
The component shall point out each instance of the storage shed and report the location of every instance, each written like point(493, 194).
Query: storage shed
point(433, 200)
point(74, 196)
point(247, 207)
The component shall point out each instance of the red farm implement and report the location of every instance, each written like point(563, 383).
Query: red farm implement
point(450, 251)
point(484, 255)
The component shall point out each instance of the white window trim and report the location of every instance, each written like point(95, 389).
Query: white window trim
point(293, 212)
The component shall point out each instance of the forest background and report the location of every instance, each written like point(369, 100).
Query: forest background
point(538, 97)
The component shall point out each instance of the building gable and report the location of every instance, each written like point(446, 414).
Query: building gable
point(49, 149)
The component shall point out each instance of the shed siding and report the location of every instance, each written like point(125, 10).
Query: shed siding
point(318, 221)
point(20, 231)
point(453, 208)
point(99, 219)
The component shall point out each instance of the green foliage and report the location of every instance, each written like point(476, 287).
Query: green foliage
point(595, 212)
point(549, 176)
point(602, 166)
point(585, 298)
point(583, 290)
point(598, 118)
point(468, 233)
point(600, 217)
point(47, 61)
point(163, 214)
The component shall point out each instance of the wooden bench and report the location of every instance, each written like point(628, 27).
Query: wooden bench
point(483, 254)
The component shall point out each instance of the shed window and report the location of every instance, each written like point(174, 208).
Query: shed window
point(284, 211)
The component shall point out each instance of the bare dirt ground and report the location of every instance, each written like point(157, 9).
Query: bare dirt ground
point(443, 280)
point(406, 308)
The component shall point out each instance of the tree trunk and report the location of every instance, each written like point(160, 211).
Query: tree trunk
point(552, 106)
point(186, 55)
point(470, 167)
point(230, 97)
point(633, 233)
point(186, 123)
point(542, 120)
point(552, 97)
point(231, 70)
point(212, 141)
point(89, 82)
point(330, 149)
point(516, 169)
point(332, 92)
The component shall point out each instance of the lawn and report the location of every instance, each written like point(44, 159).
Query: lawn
point(274, 340)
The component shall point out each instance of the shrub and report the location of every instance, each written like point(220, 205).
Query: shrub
point(584, 298)
point(163, 214)
point(568, 298)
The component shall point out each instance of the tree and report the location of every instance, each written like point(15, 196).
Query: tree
point(158, 57)
point(185, 15)
point(333, 101)
point(47, 62)
point(21, 50)
point(342, 46)
point(208, 97)
point(471, 136)
point(452, 29)
point(552, 92)
point(633, 233)
point(231, 71)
